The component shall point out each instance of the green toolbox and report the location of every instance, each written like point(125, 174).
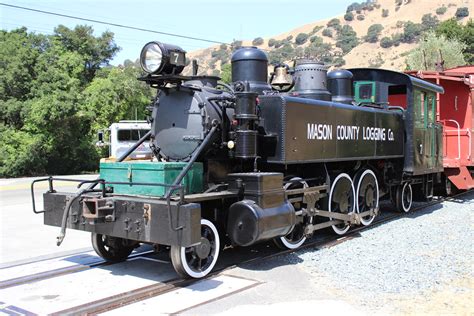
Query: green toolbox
point(150, 172)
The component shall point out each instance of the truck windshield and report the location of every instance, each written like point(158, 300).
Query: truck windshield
point(126, 135)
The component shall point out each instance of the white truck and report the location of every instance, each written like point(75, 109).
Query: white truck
point(123, 135)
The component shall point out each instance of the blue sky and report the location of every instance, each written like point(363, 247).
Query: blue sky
point(221, 21)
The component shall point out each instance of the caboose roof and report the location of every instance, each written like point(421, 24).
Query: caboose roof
point(394, 77)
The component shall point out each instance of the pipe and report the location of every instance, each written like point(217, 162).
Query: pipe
point(135, 146)
point(195, 155)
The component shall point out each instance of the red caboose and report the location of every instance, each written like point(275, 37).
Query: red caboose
point(455, 112)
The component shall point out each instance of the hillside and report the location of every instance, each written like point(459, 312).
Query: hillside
point(348, 45)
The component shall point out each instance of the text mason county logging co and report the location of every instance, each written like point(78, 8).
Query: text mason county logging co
point(348, 132)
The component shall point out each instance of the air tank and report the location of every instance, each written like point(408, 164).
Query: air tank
point(250, 65)
point(310, 80)
point(340, 83)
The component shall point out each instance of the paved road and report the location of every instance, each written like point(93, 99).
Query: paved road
point(23, 236)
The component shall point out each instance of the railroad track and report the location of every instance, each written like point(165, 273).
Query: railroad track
point(234, 259)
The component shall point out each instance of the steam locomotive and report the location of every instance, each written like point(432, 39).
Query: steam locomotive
point(258, 159)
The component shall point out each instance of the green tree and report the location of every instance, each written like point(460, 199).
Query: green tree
point(347, 39)
point(429, 21)
point(226, 73)
point(441, 10)
point(411, 32)
point(115, 94)
point(373, 33)
point(386, 42)
point(257, 41)
point(430, 47)
point(452, 29)
point(96, 51)
point(349, 16)
point(301, 38)
point(56, 91)
point(462, 12)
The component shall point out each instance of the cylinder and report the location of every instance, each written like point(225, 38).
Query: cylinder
point(340, 83)
point(248, 223)
point(311, 80)
point(245, 105)
point(246, 144)
point(250, 64)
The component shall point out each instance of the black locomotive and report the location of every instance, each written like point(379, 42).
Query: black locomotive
point(256, 160)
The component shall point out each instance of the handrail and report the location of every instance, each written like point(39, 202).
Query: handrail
point(459, 135)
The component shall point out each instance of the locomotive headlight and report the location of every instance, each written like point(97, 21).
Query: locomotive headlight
point(151, 57)
point(161, 58)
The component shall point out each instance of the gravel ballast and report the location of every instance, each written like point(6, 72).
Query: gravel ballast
point(422, 252)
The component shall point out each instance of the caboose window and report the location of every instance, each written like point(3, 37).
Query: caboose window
point(126, 135)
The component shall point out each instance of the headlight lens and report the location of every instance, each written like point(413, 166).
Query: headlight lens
point(151, 57)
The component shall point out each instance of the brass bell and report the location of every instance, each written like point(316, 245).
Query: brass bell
point(281, 80)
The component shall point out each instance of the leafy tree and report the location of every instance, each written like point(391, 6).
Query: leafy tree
point(347, 39)
point(257, 41)
point(441, 10)
point(349, 16)
point(317, 28)
point(429, 22)
point(334, 23)
point(386, 42)
point(318, 50)
point(226, 73)
point(96, 51)
point(236, 44)
point(462, 12)
point(301, 38)
point(454, 30)
point(397, 39)
point(430, 47)
point(384, 13)
point(56, 91)
point(361, 17)
point(373, 33)
point(271, 42)
point(114, 95)
point(327, 33)
point(411, 32)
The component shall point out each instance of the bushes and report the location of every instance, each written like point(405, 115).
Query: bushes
point(347, 39)
point(386, 42)
point(349, 16)
point(334, 23)
point(411, 32)
point(462, 12)
point(384, 13)
point(272, 42)
point(361, 17)
point(373, 33)
point(429, 21)
point(441, 10)
point(301, 38)
point(317, 28)
point(257, 41)
point(327, 33)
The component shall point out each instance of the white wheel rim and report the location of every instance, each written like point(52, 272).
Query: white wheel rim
point(336, 229)
point(406, 209)
point(362, 220)
point(291, 245)
point(203, 273)
point(288, 244)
